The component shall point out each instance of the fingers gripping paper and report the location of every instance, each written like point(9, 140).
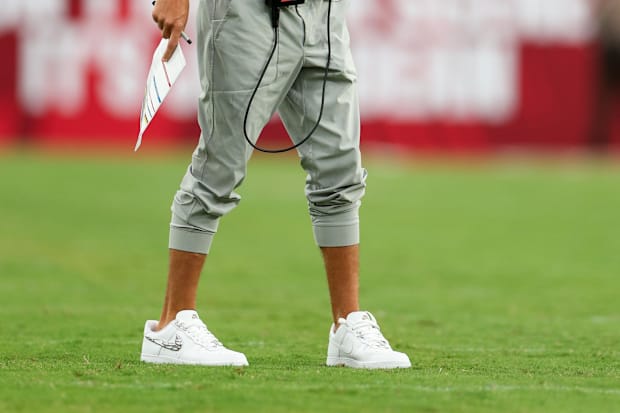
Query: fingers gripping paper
point(162, 76)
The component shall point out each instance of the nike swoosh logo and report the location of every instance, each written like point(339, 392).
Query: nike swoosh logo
point(168, 345)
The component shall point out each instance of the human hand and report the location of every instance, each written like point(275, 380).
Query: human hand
point(171, 18)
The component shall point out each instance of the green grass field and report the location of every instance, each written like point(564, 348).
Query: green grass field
point(501, 280)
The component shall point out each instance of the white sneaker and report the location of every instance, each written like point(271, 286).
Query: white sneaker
point(358, 343)
point(186, 340)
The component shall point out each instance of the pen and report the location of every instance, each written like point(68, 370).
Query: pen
point(183, 34)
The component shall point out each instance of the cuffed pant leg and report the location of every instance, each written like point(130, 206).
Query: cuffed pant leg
point(234, 40)
point(336, 230)
point(192, 229)
point(190, 240)
point(336, 180)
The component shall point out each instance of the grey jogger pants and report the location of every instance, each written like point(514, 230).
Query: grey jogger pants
point(235, 38)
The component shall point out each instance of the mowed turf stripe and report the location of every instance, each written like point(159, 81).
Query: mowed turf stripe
point(354, 386)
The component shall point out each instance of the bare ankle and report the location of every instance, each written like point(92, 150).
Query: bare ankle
point(163, 323)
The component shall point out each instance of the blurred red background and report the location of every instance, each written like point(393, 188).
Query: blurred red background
point(451, 75)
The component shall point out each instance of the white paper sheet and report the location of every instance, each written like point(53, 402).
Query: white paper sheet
point(162, 77)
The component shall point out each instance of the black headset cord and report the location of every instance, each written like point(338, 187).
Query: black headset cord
point(262, 75)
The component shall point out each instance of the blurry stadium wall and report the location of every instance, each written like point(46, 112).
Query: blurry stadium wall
point(445, 75)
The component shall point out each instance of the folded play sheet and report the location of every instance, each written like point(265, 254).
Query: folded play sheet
point(161, 78)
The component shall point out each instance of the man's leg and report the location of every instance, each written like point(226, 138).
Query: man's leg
point(342, 269)
point(336, 184)
point(336, 179)
point(183, 277)
point(219, 162)
point(234, 42)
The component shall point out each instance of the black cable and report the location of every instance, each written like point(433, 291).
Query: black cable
point(260, 80)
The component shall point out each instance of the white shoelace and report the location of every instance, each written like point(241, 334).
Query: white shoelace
point(199, 332)
point(368, 332)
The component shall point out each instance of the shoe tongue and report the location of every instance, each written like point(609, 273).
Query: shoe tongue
point(357, 316)
point(188, 317)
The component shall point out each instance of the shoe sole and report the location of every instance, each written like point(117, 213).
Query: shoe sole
point(356, 364)
point(147, 358)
